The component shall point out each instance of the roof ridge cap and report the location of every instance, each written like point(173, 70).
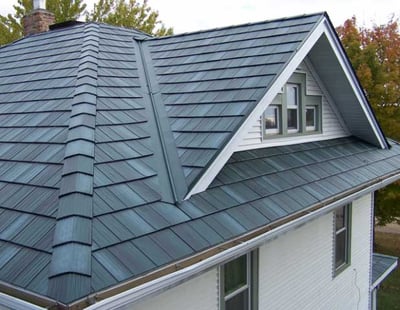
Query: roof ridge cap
point(72, 243)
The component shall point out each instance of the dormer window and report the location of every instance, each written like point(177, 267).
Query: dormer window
point(292, 104)
point(271, 117)
point(293, 111)
point(311, 118)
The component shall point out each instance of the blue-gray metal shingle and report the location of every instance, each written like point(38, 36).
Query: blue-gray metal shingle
point(100, 126)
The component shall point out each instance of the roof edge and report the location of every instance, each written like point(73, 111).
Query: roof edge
point(27, 296)
point(174, 274)
point(387, 271)
point(169, 276)
point(357, 84)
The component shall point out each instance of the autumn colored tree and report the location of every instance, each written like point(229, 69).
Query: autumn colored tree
point(375, 56)
point(127, 13)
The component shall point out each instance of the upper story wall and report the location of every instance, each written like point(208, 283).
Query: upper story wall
point(196, 294)
point(332, 123)
point(295, 271)
point(301, 262)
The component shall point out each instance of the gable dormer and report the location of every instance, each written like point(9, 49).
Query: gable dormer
point(350, 112)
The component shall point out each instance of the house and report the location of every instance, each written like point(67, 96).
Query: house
point(232, 168)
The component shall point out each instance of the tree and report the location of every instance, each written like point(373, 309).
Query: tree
point(129, 14)
point(11, 27)
point(124, 13)
point(375, 56)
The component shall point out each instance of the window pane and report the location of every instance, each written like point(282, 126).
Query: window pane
point(271, 118)
point(292, 118)
point(340, 250)
point(238, 302)
point(310, 118)
point(340, 218)
point(235, 274)
point(292, 94)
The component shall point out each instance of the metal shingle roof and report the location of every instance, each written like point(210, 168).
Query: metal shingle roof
point(103, 130)
point(382, 265)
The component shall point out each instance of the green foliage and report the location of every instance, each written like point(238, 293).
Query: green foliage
point(11, 25)
point(375, 56)
point(130, 14)
point(389, 290)
point(125, 13)
point(65, 10)
point(387, 207)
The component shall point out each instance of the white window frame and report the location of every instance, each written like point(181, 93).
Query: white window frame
point(251, 282)
point(293, 105)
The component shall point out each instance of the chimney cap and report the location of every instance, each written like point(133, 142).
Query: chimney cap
point(39, 4)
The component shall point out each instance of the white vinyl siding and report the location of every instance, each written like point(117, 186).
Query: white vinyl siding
point(196, 294)
point(296, 268)
point(332, 125)
point(296, 271)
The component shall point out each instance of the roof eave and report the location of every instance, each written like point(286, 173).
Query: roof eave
point(174, 274)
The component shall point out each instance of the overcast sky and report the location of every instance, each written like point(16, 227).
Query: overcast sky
point(192, 15)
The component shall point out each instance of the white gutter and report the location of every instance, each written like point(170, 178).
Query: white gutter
point(10, 302)
point(164, 283)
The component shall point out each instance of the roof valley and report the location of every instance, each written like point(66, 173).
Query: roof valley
point(71, 258)
point(169, 169)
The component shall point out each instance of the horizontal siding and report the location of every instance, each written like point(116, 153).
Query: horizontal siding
point(295, 271)
point(296, 268)
point(199, 293)
point(331, 125)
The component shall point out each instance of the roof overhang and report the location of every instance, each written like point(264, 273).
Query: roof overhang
point(382, 266)
point(321, 43)
point(203, 262)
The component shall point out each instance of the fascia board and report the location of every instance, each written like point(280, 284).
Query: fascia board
point(281, 79)
point(351, 77)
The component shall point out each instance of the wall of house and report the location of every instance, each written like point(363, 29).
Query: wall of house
point(295, 271)
point(197, 294)
point(297, 268)
point(332, 125)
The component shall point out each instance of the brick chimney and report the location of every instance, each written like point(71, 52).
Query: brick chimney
point(38, 20)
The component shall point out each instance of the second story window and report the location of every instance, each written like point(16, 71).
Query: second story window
point(342, 238)
point(238, 283)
